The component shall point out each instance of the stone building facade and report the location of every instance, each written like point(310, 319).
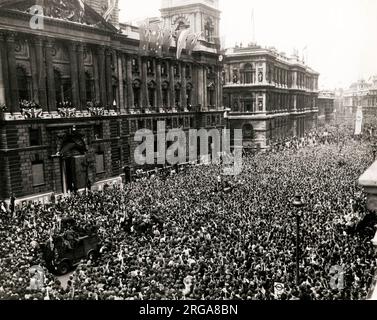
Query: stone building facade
point(268, 95)
point(73, 94)
point(361, 94)
point(326, 108)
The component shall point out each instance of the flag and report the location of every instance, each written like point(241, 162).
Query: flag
point(110, 9)
point(191, 42)
point(181, 41)
point(167, 37)
point(154, 37)
point(144, 37)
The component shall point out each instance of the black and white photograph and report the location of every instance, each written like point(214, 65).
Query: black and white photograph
point(188, 150)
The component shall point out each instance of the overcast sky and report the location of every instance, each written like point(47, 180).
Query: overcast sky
point(341, 35)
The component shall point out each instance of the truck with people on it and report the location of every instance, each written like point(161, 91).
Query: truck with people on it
point(63, 252)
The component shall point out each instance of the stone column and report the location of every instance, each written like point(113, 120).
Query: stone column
point(205, 73)
point(102, 75)
point(109, 78)
point(171, 85)
point(97, 92)
point(130, 92)
point(74, 75)
point(34, 73)
point(14, 98)
point(194, 81)
point(82, 77)
point(121, 106)
point(50, 76)
point(4, 93)
point(159, 84)
point(200, 88)
point(183, 87)
point(144, 84)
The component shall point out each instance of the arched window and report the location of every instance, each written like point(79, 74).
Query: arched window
point(177, 89)
point(164, 69)
point(63, 88)
point(150, 67)
point(135, 65)
point(208, 31)
point(152, 93)
point(248, 74)
point(165, 94)
point(176, 70)
point(188, 71)
point(89, 87)
point(115, 85)
point(189, 94)
point(181, 25)
point(23, 84)
point(211, 95)
point(136, 86)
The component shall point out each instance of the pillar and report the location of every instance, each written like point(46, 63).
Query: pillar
point(82, 76)
point(34, 73)
point(50, 77)
point(4, 89)
point(74, 75)
point(200, 86)
point(96, 78)
point(171, 85)
point(130, 92)
point(121, 106)
point(205, 96)
point(12, 67)
point(109, 79)
point(183, 87)
point(144, 84)
point(159, 84)
point(102, 75)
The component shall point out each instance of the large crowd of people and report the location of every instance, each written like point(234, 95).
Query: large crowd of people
point(183, 237)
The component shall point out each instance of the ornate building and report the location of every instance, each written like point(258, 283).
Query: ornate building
point(74, 92)
point(361, 94)
point(268, 95)
point(326, 107)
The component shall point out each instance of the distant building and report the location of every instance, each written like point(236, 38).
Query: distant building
point(361, 94)
point(326, 107)
point(269, 95)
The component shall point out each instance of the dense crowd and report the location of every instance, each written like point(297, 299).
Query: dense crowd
point(204, 243)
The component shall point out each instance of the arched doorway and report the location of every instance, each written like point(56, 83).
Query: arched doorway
point(74, 166)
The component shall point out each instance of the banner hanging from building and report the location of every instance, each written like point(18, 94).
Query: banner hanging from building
point(359, 121)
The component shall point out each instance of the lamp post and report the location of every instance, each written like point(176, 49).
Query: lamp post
point(298, 203)
point(374, 150)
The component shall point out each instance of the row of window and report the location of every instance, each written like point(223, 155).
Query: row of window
point(250, 74)
point(164, 68)
point(170, 123)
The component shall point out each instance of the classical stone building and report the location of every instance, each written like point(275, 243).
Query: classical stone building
point(326, 108)
point(268, 95)
point(74, 92)
point(361, 94)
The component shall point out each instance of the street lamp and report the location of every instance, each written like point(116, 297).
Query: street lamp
point(374, 150)
point(298, 203)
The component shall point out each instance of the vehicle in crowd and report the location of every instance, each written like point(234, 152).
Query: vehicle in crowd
point(62, 255)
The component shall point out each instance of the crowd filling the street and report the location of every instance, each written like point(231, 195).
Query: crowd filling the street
point(198, 234)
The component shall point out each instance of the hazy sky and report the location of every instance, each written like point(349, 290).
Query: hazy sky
point(341, 35)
